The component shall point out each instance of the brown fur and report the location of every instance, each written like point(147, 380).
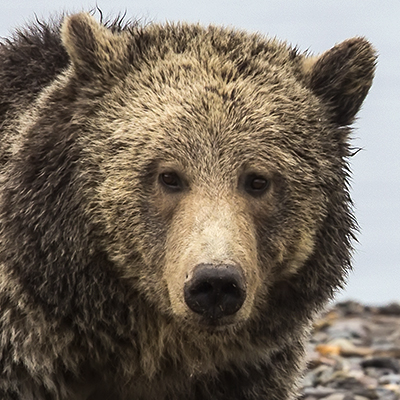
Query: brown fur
point(95, 251)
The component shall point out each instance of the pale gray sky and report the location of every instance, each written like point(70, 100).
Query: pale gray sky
point(314, 25)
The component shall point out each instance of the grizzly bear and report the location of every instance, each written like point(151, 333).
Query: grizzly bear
point(174, 208)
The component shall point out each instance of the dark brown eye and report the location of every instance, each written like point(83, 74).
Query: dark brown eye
point(170, 180)
point(256, 185)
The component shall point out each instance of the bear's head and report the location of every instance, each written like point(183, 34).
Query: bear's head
point(219, 171)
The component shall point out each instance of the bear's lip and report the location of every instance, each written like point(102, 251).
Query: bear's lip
point(212, 325)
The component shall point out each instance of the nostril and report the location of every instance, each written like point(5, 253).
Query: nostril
point(215, 291)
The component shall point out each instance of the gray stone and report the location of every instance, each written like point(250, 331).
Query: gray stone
point(390, 379)
point(319, 392)
point(382, 362)
point(336, 396)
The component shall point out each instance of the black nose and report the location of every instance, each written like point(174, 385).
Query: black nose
point(215, 291)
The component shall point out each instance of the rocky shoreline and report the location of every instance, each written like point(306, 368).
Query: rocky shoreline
point(354, 354)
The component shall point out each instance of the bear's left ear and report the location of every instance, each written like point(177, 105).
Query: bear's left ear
point(93, 49)
point(342, 76)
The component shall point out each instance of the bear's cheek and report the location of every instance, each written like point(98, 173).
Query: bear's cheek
point(284, 247)
point(211, 240)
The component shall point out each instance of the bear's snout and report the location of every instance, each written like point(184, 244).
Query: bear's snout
point(215, 291)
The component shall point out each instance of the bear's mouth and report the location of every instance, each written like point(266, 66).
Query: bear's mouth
point(212, 325)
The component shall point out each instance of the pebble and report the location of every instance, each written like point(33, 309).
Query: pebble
point(386, 363)
point(390, 379)
point(354, 354)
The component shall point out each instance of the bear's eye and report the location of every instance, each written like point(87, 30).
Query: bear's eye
point(170, 180)
point(256, 185)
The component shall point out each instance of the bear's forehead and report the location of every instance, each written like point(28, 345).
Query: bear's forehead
point(198, 108)
point(214, 98)
point(190, 135)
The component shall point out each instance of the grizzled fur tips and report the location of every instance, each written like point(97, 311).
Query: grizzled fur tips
point(174, 208)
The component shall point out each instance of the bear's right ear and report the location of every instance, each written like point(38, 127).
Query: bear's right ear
point(92, 48)
point(342, 76)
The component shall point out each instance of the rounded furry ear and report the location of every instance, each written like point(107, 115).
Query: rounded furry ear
point(342, 77)
point(91, 46)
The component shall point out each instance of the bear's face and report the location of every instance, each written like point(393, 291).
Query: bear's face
point(194, 180)
point(214, 174)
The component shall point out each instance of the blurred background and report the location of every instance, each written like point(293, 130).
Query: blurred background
point(315, 26)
